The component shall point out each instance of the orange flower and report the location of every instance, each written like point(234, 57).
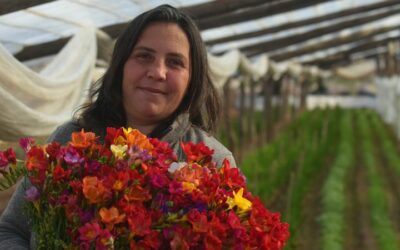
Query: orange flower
point(190, 173)
point(82, 140)
point(111, 216)
point(134, 137)
point(93, 189)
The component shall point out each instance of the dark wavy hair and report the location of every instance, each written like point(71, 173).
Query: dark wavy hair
point(105, 105)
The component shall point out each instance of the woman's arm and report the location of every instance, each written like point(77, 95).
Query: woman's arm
point(14, 229)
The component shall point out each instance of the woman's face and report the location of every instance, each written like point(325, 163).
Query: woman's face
point(156, 75)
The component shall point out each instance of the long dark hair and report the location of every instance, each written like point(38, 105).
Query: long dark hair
point(105, 107)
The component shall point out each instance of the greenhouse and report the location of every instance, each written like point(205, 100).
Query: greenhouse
point(309, 113)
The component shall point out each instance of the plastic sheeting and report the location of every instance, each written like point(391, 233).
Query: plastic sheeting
point(388, 99)
point(357, 70)
point(233, 62)
point(33, 104)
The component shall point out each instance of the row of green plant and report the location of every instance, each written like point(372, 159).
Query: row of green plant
point(333, 192)
point(269, 167)
point(293, 160)
point(389, 146)
point(378, 203)
point(318, 149)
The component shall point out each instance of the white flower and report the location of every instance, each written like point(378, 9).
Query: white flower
point(175, 166)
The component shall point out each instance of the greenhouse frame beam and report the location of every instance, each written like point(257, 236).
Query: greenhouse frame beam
point(337, 61)
point(276, 44)
point(8, 6)
point(214, 8)
point(344, 56)
point(255, 12)
point(53, 47)
point(301, 23)
point(358, 36)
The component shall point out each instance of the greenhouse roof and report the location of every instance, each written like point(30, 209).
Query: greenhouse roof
point(310, 31)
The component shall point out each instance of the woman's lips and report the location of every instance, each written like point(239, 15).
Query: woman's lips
point(152, 90)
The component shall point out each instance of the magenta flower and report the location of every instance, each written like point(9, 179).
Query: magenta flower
point(26, 143)
point(3, 160)
point(85, 216)
point(92, 167)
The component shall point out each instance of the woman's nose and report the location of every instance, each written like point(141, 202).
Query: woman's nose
point(157, 71)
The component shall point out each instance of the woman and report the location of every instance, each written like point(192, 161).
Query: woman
point(157, 82)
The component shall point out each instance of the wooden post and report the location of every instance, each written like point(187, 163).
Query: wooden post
point(251, 111)
point(285, 97)
point(304, 85)
point(267, 111)
point(241, 120)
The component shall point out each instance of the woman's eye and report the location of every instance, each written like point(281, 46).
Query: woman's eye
point(143, 56)
point(175, 62)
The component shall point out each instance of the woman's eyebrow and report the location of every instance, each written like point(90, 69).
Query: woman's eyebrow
point(144, 48)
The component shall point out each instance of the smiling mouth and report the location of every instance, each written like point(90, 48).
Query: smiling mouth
point(152, 90)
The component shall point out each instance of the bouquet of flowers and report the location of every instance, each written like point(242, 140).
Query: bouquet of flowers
point(131, 193)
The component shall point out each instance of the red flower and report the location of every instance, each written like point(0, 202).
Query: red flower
point(60, 174)
point(112, 135)
point(36, 159)
point(89, 231)
point(118, 181)
point(232, 176)
point(198, 221)
point(199, 153)
point(212, 242)
point(139, 222)
point(53, 149)
point(179, 243)
point(10, 155)
point(137, 193)
point(105, 240)
point(3, 160)
point(152, 240)
point(76, 186)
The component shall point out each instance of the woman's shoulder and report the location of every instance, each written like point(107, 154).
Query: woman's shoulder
point(62, 134)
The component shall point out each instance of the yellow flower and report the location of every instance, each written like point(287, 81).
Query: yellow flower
point(238, 200)
point(119, 150)
point(127, 131)
point(188, 186)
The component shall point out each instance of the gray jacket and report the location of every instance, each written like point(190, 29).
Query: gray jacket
point(15, 231)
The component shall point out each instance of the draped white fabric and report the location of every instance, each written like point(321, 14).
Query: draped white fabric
point(222, 67)
point(388, 99)
point(357, 70)
point(33, 104)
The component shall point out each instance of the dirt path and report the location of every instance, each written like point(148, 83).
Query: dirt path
point(358, 232)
